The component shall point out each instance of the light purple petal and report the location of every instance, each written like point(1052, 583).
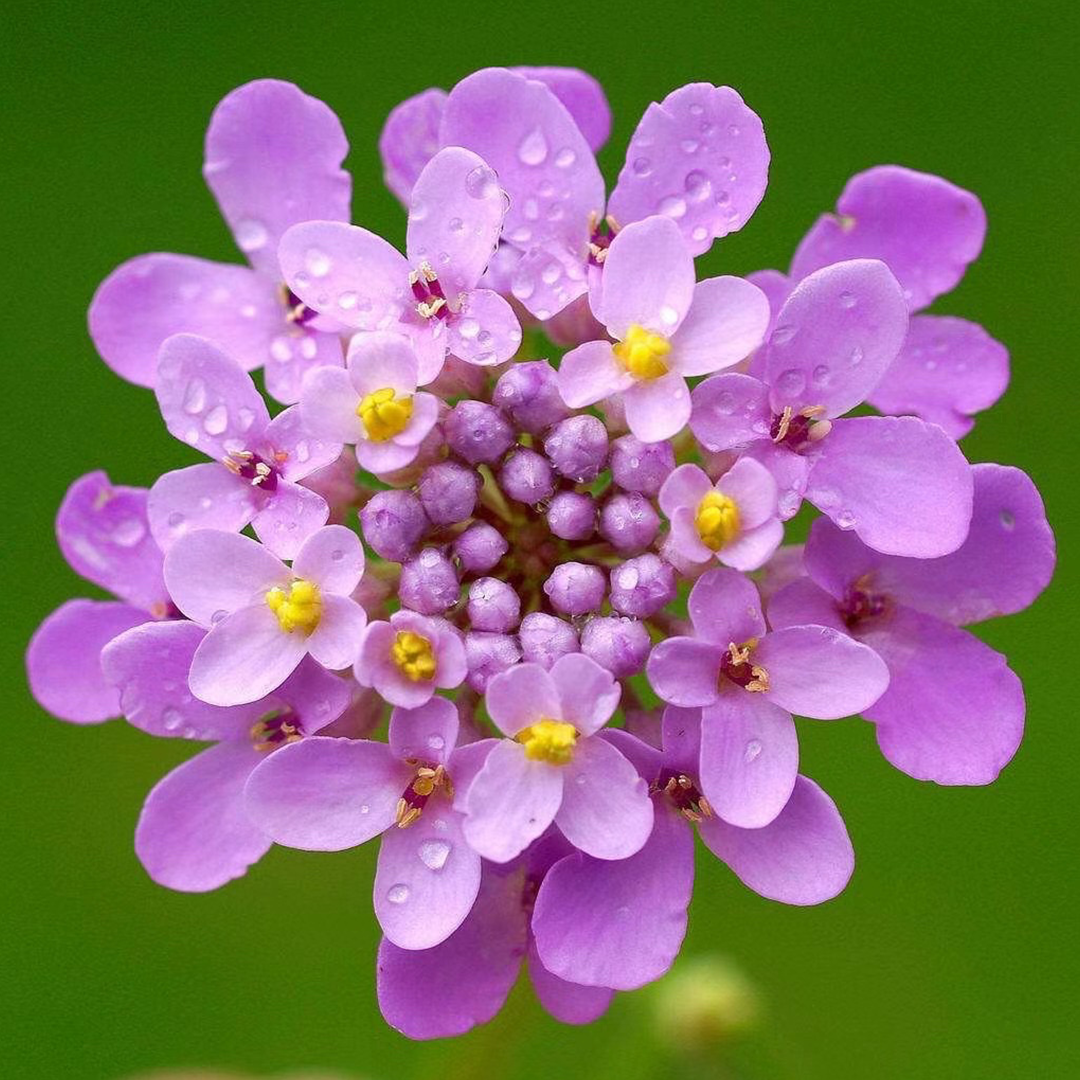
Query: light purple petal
point(523, 132)
point(336, 641)
point(729, 411)
point(606, 810)
point(425, 414)
point(296, 452)
point(777, 287)
point(804, 856)
point(590, 373)
point(791, 472)
point(726, 323)
point(588, 694)
point(954, 710)
point(273, 158)
point(724, 607)
point(211, 573)
point(102, 532)
point(680, 736)
point(383, 360)
point(583, 97)
point(293, 354)
point(700, 157)
point(901, 484)
point(324, 794)
point(333, 558)
point(749, 758)
point(835, 337)
point(427, 879)
point(63, 659)
point(289, 516)
point(510, 802)
point(347, 273)
point(409, 139)
point(802, 603)
point(751, 549)
point(244, 657)
point(148, 299)
point(445, 991)
point(206, 496)
point(148, 666)
point(386, 457)
point(648, 279)
point(684, 670)
point(486, 331)
point(657, 409)
point(568, 1002)
point(521, 696)
point(817, 671)
point(925, 228)
point(753, 488)
point(427, 734)
point(194, 833)
point(947, 370)
point(546, 281)
point(328, 404)
point(618, 924)
point(685, 486)
point(456, 211)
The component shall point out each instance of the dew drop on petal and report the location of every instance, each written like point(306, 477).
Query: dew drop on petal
point(845, 519)
point(171, 719)
point(436, 742)
point(533, 149)
point(669, 315)
point(672, 206)
point(175, 520)
point(317, 262)
point(847, 300)
point(129, 532)
point(216, 420)
point(397, 894)
point(1007, 519)
point(565, 158)
point(642, 166)
point(251, 234)
point(434, 853)
point(753, 749)
point(195, 397)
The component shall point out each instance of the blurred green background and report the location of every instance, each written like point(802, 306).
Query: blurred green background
point(952, 954)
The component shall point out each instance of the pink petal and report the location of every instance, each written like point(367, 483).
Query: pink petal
point(427, 734)
point(925, 228)
point(751, 549)
point(835, 337)
point(63, 659)
point(648, 279)
point(791, 472)
point(657, 409)
point(383, 360)
point(725, 607)
point(510, 802)
point(590, 373)
point(583, 97)
point(699, 156)
point(295, 353)
point(817, 671)
point(333, 558)
point(726, 323)
point(324, 794)
point(244, 657)
point(521, 696)
point(685, 487)
point(749, 758)
point(296, 452)
point(684, 670)
point(804, 856)
point(901, 484)
point(328, 404)
point(427, 879)
point(568, 1002)
point(336, 641)
point(409, 139)
point(206, 496)
point(194, 833)
point(347, 273)
point(753, 488)
point(456, 212)
point(729, 411)
point(606, 810)
point(548, 280)
point(485, 331)
point(802, 603)
point(289, 516)
point(588, 694)
point(148, 299)
point(386, 457)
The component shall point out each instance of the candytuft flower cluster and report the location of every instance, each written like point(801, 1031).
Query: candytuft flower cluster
point(515, 598)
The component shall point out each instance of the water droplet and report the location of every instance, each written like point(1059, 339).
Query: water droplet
point(521, 235)
point(1007, 519)
point(533, 149)
point(171, 719)
point(753, 748)
point(580, 779)
point(337, 555)
point(783, 334)
point(216, 420)
point(856, 357)
point(826, 498)
point(303, 450)
point(642, 166)
point(365, 809)
point(281, 350)
point(195, 397)
point(129, 532)
point(930, 365)
point(698, 185)
point(434, 853)
point(847, 300)
point(845, 519)
point(218, 616)
point(696, 109)
point(672, 206)
point(791, 382)
point(417, 211)
point(317, 262)
point(551, 273)
point(455, 225)
point(821, 376)
point(733, 130)
point(699, 233)
point(397, 894)
point(205, 502)
point(565, 158)
point(523, 289)
point(481, 183)
point(531, 209)
point(251, 234)
point(725, 403)
point(175, 520)
point(245, 418)
point(436, 742)
point(669, 315)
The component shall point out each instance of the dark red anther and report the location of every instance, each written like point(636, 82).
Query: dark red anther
point(277, 729)
point(685, 795)
point(860, 604)
point(262, 474)
point(298, 312)
point(795, 436)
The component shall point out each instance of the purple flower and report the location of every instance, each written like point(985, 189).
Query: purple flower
point(493, 605)
point(448, 491)
point(331, 794)
point(620, 924)
point(900, 483)
point(628, 522)
point(578, 447)
point(194, 833)
point(273, 158)
point(356, 277)
point(953, 711)
point(410, 657)
point(104, 535)
point(374, 405)
point(748, 682)
point(264, 617)
point(526, 477)
point(927, 231)
point(551, 768)
point(734, 520)
point(665, 327)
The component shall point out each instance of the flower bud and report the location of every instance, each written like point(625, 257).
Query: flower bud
point(529, 395)
point(526, 477)
point(448, 492)
point(629, 522)
point(641, 467)
point(487, 654)
point(479, 548)
point(572, 515)
point(642, 586)
point(576, 588)
point(544, 638)
point(477, 432)
point(428, 583)
point(578, 447)
point(493, 605)
point(393, 523)
point(618, 644)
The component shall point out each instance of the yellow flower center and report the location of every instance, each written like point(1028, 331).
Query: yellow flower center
point(717, 520)
point(552, 741)
point(641, 353)
point(413, 655)
point(298, 608)
point(384, 415)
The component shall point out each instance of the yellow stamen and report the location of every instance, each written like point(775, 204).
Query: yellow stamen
point(717, 520)
point(384, 415)
point(413, 655)
point(641, 353)
point(552, 741)
point(298, 608)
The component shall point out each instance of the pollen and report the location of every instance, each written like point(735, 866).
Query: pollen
point(384, 415)
point(737, 666)
point(297, 608)
point(641, 353)
point(552, 741)
point(717, 520)
point(413, 655)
